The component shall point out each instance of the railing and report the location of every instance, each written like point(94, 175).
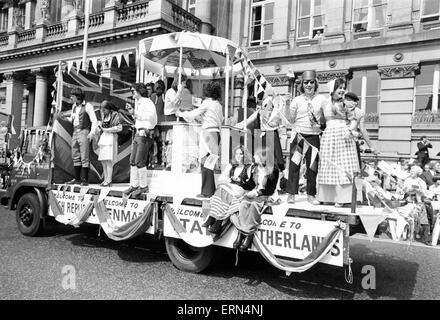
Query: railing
point(426, 117)
point(137, 10)
point(371, 117)
point(4, 39)
point(95, 20)
point(26, 36)
point(56, 30)
point(185, 19)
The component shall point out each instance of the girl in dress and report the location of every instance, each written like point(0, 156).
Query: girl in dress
point(108, 142)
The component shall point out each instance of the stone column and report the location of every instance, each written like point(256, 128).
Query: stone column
point(110, 13)
point(280, 38)
point(30, 106)
point(30, 8)
point(396, 108)
point(40, 106)
point(14, 101)
point(107, 70)
point(203, 12)
point(334, 20)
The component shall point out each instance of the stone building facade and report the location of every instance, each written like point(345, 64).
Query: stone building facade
point(388, 50)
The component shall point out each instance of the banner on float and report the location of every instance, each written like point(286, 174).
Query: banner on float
point(120, 213)
point(289, 237)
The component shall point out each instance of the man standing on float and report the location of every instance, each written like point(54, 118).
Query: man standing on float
point(84, 123)
point(305, 116)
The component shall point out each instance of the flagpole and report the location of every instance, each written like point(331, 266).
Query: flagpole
point(86, 33)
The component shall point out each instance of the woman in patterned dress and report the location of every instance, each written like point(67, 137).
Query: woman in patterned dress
point(338, 155)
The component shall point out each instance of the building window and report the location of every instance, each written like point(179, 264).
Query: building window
point(430, 10)
point(191, 7)
point(369, 15)
point(310, 19)
point(261, 22)
point(366, 84)
point(425, 88)
point(3, 19)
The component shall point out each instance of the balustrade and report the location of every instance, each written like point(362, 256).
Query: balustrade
point(134, 11)
point(56, 30)
point(26, 36)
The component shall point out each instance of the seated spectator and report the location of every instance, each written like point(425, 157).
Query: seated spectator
point(234, 181)
point(414, 184)
point(248, 218)
point(429, 173)
point(435, 189)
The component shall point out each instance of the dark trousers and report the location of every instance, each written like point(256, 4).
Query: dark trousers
point(208, 181)
point(294, 169)
point(423, 159)
point(358, 150)
point(140, 149)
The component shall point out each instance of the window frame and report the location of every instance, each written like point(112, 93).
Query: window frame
point(359, 74)
point(191, 6)
point(312, 17)
point(370, 7)
point(263, 23)
point(427, 18)
point(423, 87)
point(4, 19)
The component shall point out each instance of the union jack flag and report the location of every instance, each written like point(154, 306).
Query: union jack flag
point(96, 89)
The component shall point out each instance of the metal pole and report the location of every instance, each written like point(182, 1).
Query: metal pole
point(227, 88)
point(86, 33)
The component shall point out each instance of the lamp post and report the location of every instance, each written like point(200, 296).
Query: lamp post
point(86, 33)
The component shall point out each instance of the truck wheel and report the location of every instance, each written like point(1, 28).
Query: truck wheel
point(28, 215)
point(188, 258)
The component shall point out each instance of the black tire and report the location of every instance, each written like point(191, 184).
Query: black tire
point(188, 258)
point(29, 215)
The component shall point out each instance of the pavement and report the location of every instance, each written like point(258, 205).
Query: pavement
point(67, 263)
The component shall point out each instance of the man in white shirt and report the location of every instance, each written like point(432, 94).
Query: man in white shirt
point(145, 117)
point(84, 122)
point(306, 114)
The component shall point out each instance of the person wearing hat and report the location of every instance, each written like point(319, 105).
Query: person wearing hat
point(306, 118)
point(356, 126)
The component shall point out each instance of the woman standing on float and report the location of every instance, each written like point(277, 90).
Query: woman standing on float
point(305, 116)
point(338, 156)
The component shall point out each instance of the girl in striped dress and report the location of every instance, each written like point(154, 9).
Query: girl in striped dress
point(338, 159)
point(234, 182)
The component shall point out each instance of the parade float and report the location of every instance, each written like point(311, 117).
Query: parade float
point(292, 237)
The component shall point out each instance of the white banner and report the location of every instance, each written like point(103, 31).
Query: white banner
point(73, 202)
point(287, 237)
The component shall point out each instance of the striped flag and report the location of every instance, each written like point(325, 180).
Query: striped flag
point(96, 89)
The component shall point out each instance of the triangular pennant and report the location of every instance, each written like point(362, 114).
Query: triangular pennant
point(306, 147)
point(297, 157)
point(95, 64)
point(78, 65)
point(127, 58)
point(69, 65)
point(119, 59)
point(262, 80)
point(260, 89)
point(370, 222)
point(314, 155)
